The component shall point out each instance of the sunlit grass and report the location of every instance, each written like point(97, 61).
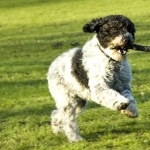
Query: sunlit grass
point(32, 34)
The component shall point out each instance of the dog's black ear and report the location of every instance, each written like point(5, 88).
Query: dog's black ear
point(93, 26)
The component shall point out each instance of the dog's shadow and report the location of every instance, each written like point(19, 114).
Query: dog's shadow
point(92, 105)
point(125, 128)
point(94, 136)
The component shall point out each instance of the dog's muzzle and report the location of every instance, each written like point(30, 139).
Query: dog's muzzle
point(121, 50)
point(125, 44)
point(128, 41)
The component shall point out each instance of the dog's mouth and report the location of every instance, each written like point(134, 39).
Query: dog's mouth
point(121, 50)
point(122, 43)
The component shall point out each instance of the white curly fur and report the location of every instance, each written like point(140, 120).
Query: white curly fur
point(109, 84)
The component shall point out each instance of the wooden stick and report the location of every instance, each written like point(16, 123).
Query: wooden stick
point(138, 47)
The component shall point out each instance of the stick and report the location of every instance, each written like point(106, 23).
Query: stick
point(141, 48)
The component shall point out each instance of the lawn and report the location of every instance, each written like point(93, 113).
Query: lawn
point(32, 34)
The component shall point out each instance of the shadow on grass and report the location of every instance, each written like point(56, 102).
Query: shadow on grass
point(35, 64)
point(22, 89)
point(137, 128)
point(144, 71)
point(29, 3)
point(12, 84)
point(37, 107)
point(43, 110)
point(43, 42)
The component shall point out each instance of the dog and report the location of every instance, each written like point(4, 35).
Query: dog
point(98, 72)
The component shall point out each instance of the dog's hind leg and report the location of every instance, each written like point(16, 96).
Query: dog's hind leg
point(81, 104)
point(70, 126)
point(56, 122)
point(57, 115)
point(72, 111)
point(64, 118)
point(75, 106)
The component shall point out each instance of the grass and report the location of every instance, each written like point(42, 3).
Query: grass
point(33, 34)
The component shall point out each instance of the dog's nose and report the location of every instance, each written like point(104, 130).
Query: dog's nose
point(127, 38)
point(127, 41)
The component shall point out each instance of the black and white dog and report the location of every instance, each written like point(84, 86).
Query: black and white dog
point(99, 72)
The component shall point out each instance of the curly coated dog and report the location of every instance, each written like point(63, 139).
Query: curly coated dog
point(98, 72)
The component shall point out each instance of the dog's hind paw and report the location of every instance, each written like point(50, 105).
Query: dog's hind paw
point(76, 139)
point(56, 123)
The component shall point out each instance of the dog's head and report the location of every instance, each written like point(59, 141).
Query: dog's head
point(115, 34)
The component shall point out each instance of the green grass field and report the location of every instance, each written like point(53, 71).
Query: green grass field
point(32, 34)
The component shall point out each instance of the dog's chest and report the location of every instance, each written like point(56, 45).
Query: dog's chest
point(112, 75)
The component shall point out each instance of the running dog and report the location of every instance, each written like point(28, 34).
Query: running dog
point(98, 72)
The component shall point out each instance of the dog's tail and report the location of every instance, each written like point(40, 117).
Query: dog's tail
point(138, 47)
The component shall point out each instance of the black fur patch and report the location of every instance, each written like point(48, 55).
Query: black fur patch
point(78, 69)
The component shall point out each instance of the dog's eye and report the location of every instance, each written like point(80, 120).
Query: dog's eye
point(113, 29)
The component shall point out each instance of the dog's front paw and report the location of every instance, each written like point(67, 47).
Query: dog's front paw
point(121, 105)
point(131, 111)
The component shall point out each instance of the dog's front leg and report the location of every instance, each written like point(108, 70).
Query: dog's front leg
point(108, 97)
point(131, 110)
point(114, 100)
